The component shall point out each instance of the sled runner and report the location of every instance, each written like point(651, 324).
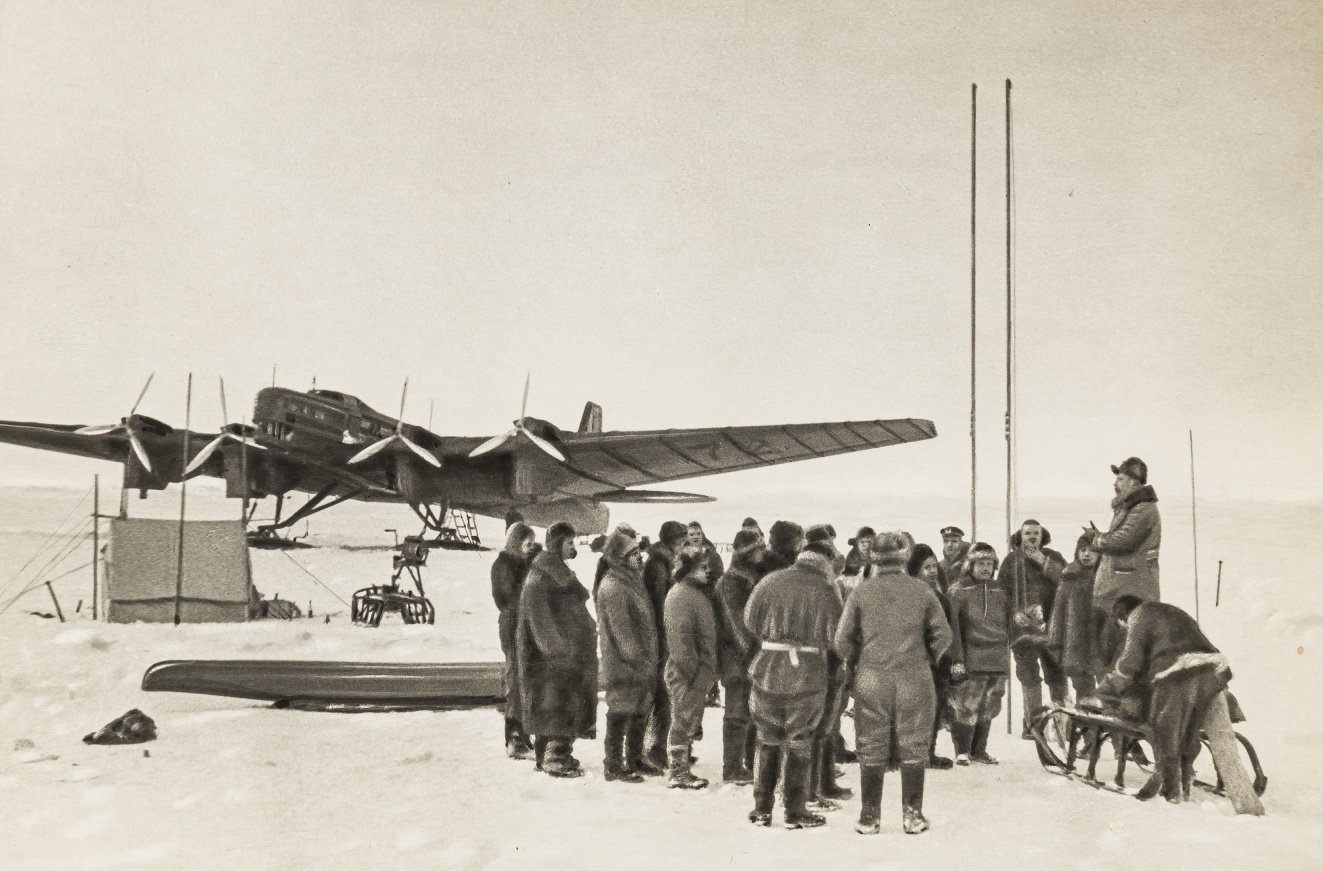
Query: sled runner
point(1065, 736)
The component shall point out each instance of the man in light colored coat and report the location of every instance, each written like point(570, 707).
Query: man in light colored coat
point(1129, 551)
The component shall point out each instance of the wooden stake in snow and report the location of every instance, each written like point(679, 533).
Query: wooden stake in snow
point(1226, 758)
point(1194, 523)
point(51, 590)
point(183, 492)
point(96, 537)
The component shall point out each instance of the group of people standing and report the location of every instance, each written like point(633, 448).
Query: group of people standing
point(792, 630)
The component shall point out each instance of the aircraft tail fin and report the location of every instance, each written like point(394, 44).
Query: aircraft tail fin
point(592, 418)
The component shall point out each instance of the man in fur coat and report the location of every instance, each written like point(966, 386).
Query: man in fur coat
point(793, 613)
point(1070, 629)
point(1031, 574)
point(508, 574)
point(628, 634)
point(1167, 652)
point(557, 648)
point(658, 576)
point(691, 664)
point(1129, 551)
point(736, 647)
point(893, 632)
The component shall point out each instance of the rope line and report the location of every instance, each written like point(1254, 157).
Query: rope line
point(314, 577)
point(45, 543)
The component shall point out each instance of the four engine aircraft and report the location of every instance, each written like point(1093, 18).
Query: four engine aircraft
point(334, 447)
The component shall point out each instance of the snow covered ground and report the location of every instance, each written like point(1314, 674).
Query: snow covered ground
point(235, 784)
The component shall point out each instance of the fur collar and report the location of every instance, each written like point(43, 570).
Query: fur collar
point(817, 562)
point(560, 575)
point(1144, 493)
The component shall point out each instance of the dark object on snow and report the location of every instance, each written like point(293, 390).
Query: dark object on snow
point(135, 727)
point(277, 609)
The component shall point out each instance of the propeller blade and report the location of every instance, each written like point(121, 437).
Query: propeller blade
point(248, 442)
point(421, 451)
point(399, 421)
point(545, 445)
point(523, 407)
point(372, 450)
point(139, 450)
point(204, 454)
point(493, 443)
point(134, 410)
point(99, 430)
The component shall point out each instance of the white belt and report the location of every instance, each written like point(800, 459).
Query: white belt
point(793, 649)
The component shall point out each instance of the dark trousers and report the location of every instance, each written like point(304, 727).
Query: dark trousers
point(736, 711)
point(1035, 666)
point(661, 716)
point(1177, 708)
point(789, 721)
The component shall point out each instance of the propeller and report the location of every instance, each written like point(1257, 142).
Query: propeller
point(398, 436)
point(519, 427)
point(229, 432)
point(127, 426)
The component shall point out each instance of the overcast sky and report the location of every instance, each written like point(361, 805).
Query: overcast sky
point(694, 214)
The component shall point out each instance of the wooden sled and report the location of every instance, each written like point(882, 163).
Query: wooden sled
point(1064, 736)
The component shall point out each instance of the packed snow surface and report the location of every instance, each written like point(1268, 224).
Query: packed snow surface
point(236, 784)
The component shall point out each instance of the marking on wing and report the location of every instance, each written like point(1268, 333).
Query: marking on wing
point(690, 459)
point(803, 445)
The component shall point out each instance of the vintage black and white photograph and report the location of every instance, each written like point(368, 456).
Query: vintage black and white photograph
point(555, 434)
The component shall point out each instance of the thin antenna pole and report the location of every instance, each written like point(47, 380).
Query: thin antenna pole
point(183, 495)
point(1194, 523)
point(1010, 365)
point(243, 468)
point(973, 313)
point(96, 538)
point(1010, 328)
point(1217, 600)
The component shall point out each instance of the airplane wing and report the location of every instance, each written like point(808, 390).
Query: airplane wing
point(613, 461)
point(63, 438)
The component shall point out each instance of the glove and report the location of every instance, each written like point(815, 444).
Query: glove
point(958, 674)
point(1093, 703)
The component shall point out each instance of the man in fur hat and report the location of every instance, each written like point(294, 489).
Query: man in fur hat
point(1070, 629)
point(736, 649)
point(824, 792)
point(557, 648)
point(1129, 551)
point(1031, 574)
point(658, 576)
point(793, 613)
point(980, 623)
point(893, 633)
point(508, 574)
point(628, 634)
point(691, 664)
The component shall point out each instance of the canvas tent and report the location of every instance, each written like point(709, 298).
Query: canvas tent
point(143, 569)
